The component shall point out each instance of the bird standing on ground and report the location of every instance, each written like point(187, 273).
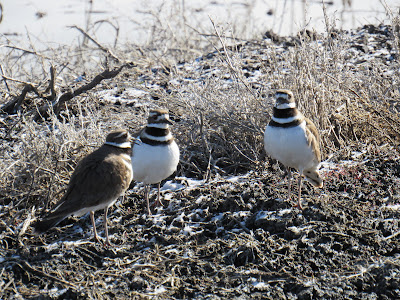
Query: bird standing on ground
point(155, 156)
point(293, 140)
point(97, 182)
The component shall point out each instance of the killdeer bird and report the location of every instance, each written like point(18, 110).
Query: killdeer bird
point(293, 140)
point(96, 183)
point(155, 156)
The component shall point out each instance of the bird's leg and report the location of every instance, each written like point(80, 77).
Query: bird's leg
point(96, 237)
point(146, 195)
point(107, 243)
point(290, 182)
point(299, 198)
point(158, 201)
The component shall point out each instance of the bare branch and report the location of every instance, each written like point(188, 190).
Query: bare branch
point(52, 82)
point(25, 50)
point(229, 61)
point(4, 79)
point(13, 106)
point(106, 50)
point(57, 106)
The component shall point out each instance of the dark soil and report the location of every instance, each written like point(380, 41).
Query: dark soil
point(229, 238)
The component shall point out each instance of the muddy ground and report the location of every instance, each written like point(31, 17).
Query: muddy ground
point(229, 238)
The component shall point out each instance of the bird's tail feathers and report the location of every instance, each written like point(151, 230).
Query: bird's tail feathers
point(46, 224)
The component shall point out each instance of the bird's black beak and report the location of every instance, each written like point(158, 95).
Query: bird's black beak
point(135, 141)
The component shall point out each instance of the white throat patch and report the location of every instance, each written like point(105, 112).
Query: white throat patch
point(285, 120)
point(158, 125)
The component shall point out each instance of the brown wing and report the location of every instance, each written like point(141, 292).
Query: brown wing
point(313, 138)
point(96, 180)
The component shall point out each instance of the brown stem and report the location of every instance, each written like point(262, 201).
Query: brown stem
point(12, 106)
point(60, 104)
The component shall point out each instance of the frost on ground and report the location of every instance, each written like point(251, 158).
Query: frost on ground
point(227, 229)
point(228, 237)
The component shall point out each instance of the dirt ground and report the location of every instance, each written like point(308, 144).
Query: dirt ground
point(228, 238)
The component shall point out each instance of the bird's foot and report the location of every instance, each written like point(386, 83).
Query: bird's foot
point(105, 243)
point(97, 239)
point(157, 203)
point(298, 205)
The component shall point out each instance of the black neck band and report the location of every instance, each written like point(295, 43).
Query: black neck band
point(285, 112)
point(285, 125)
point(154, 142)
point(154, 131)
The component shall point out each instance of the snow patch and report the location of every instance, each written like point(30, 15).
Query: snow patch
point(54, 292)
point(393, 207)
point(129, 95)
point(171, 186)
point(260, 285)
point(272, 215)
point(191, 183)
point(218, 217)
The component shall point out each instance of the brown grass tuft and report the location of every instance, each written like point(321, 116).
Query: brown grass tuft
point(221, 102)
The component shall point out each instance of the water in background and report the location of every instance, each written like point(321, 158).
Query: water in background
point(42, 22)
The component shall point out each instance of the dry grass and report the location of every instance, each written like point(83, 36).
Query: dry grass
point(221, 100)
point(221, 108)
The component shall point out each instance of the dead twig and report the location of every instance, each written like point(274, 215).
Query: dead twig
point(212, 35)
point(52, 101)
point(229, 61)
point(51, 86)
point(59, 104)
point(26, 51)
point(28, 268)
point(13, 106)
point(106, 50)
point(5, 80)
point(391, 236)
point(116, 28)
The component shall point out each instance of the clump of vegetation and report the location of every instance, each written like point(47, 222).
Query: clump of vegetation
point(59, 104)
point(221, 101)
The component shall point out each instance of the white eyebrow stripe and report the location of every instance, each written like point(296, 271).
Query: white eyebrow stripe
point(121, 134)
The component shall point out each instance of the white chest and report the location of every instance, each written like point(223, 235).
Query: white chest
point(151, 164)
point(289, 146)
